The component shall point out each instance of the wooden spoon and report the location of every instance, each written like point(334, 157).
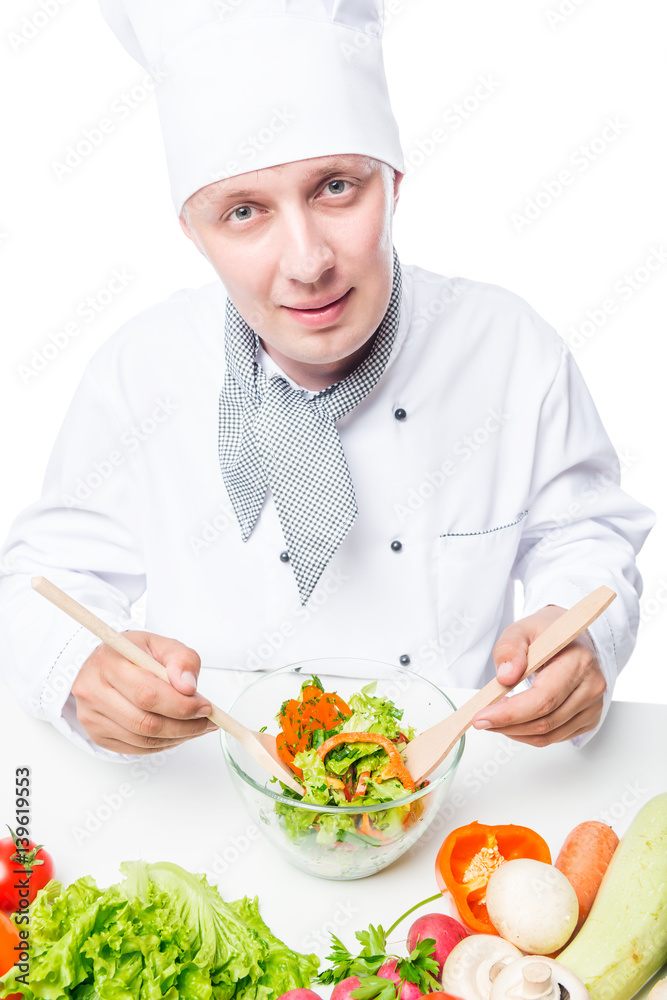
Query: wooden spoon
point(431, 747)
point(260, 746)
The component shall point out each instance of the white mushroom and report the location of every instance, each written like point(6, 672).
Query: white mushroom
point(535, 977)
point(467, 969)
point(532, 905)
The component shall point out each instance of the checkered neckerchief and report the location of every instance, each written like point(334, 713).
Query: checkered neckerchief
point(271, 435)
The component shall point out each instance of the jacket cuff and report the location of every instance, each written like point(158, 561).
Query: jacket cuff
point(57, 704)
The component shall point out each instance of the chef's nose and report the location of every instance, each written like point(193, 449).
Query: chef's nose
point(305, 253)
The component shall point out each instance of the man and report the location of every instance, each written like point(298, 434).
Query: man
point(323, 452)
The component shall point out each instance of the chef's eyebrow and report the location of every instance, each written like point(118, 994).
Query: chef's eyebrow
point(334, 167)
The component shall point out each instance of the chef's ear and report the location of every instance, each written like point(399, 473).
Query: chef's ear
point(190, 233)
point(185, 227)
point(398, 177)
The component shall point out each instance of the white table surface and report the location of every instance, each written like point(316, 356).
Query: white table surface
point(180, 806)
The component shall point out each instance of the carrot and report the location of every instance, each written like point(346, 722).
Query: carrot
point(314, 709)
point(583, 860)
point(368, 830)
point(287, 722)
point(286, 753)
point(310, 692)
point(332, 710)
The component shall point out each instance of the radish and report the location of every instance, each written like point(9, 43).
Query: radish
point(300, 995)
point(408, 990)
point(443, 929)
point(345, 987)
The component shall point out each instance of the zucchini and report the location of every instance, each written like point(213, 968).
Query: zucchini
point(624, 940)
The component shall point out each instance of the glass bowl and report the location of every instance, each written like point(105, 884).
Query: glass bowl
point(339, 842)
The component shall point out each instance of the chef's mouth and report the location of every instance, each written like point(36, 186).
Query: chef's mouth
point(315, 309)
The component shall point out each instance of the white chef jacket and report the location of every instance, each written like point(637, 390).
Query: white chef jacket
point(479, 450)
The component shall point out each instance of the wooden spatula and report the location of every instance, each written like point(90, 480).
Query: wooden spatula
point(260, 746)
point(431, 747)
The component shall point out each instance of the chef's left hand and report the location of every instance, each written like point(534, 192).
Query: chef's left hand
point(565, 699)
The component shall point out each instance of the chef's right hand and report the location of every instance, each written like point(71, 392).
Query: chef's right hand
point(131, 711)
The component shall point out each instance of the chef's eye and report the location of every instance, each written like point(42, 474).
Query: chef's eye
point(241, 213)
point(338, 185)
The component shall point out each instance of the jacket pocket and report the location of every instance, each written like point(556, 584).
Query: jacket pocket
point(476, 593)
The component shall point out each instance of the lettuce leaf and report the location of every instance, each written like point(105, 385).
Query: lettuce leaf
point(282, 969)
point(373, 714)
point(314, 777)
point(161, 934)
point(342, 757)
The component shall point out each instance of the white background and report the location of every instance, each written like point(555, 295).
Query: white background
point(556, 78)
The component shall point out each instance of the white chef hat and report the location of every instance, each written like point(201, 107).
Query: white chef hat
point(247, 84)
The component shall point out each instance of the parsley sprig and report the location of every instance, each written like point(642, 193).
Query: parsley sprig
point(418, 968)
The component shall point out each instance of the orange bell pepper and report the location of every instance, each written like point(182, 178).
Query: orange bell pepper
point(469, 856)
point(394, 769)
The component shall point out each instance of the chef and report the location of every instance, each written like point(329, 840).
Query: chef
point(323, 451)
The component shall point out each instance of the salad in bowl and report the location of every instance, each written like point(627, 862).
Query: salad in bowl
point(341, 726)
point(346, 753)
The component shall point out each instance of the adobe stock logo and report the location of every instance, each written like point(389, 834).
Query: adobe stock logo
point(87, 310)
point(581, 159)
point(31, 25)
point(94, 136)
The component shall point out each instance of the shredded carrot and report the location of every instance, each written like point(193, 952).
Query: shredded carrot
point(287, 721)
point(286, 753)
point(313, 710)
point(311, 693)
point(367, 829)
point(394, 769)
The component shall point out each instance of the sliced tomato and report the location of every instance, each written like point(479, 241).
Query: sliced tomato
point(363, 783)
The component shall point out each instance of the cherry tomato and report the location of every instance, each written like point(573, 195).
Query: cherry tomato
point(12, 874)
